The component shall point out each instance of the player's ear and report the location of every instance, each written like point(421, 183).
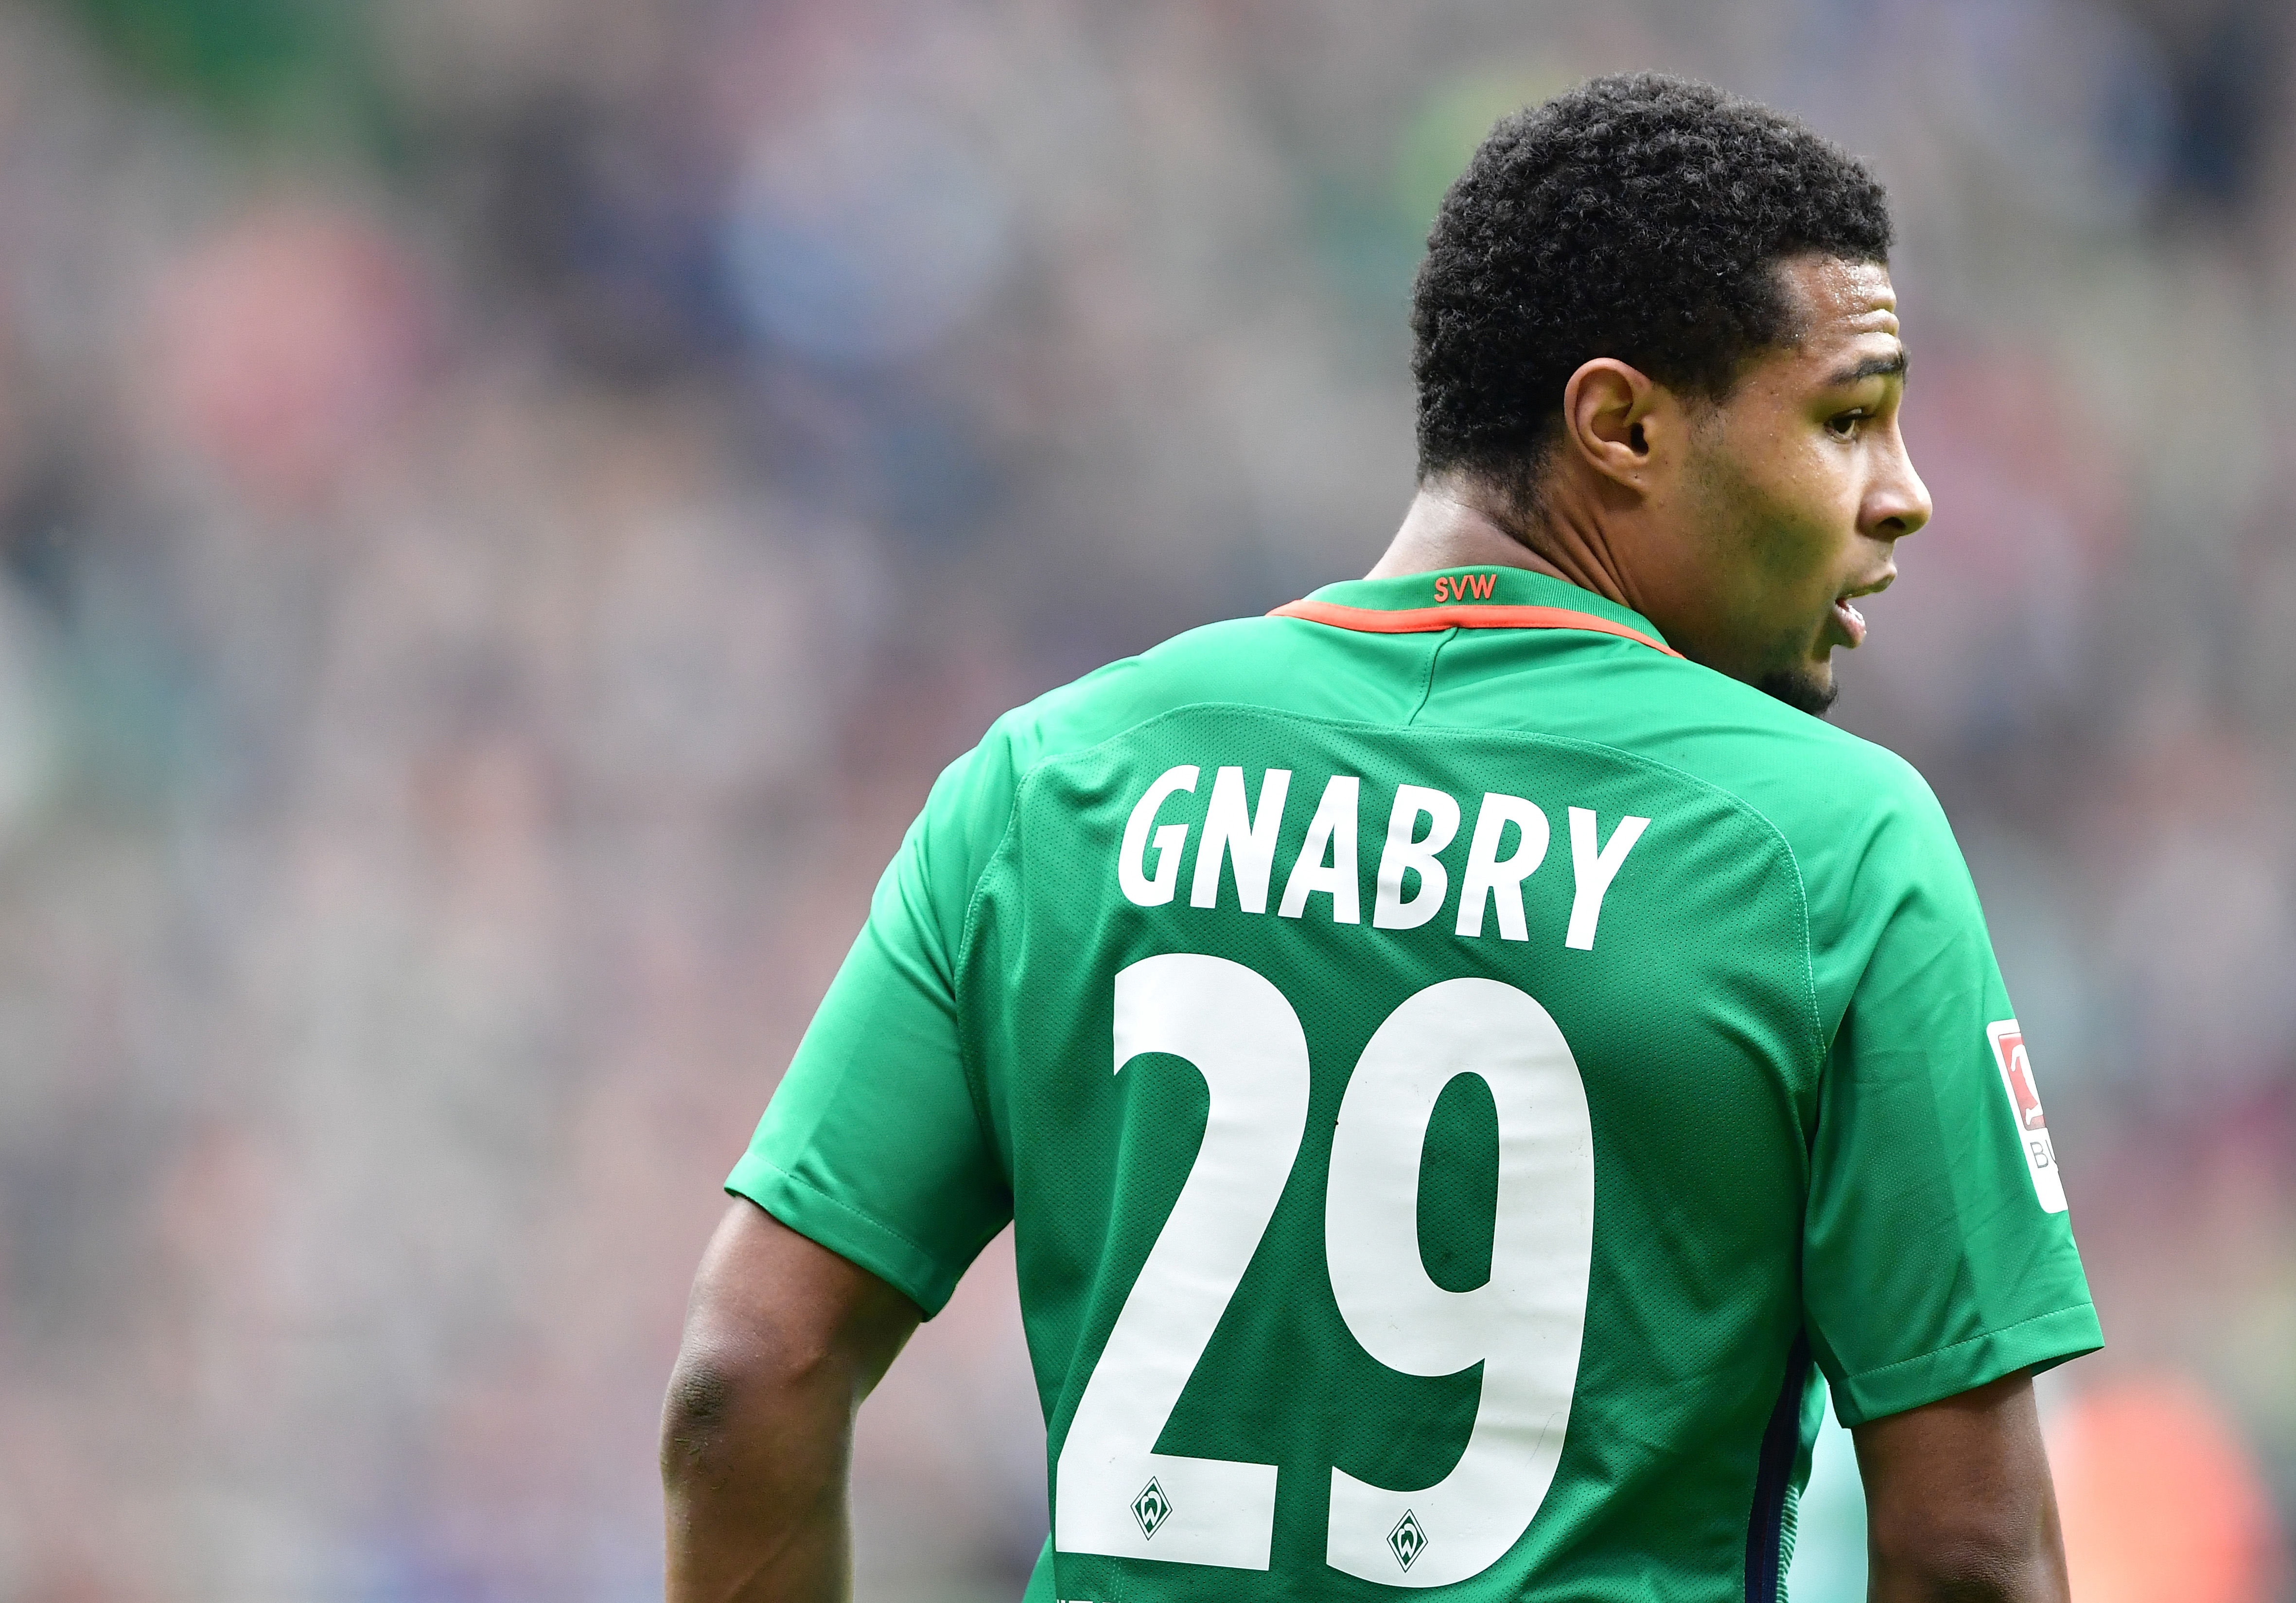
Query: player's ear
point(1607, 408)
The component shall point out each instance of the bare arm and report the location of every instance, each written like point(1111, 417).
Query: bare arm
point(1959, 1504)
point(784, 1339)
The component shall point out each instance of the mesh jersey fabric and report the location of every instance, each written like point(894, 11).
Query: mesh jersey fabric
point(1368, 1245)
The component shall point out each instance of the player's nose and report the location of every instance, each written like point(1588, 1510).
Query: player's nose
point(1897, 501)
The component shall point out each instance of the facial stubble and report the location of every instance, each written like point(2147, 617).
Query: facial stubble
point(1746, 520)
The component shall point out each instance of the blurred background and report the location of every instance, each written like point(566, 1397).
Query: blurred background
point(507, 504)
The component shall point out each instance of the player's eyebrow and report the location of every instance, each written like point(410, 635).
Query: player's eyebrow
point(1873, 367)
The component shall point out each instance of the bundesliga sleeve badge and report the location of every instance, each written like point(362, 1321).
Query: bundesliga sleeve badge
point(2009, 1055)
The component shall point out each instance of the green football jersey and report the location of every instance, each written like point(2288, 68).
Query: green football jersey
point(1457, 1071)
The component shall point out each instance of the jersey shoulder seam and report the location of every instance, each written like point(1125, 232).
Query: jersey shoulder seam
point(1816, 1019)
point(976, 1080)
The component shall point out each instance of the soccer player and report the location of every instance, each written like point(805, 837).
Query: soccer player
point(1462, 1055)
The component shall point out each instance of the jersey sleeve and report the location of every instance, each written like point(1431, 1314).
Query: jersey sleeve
point(1936, 1251)
point(872, 1145)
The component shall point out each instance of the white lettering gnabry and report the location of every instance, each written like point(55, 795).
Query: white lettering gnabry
point(1409, 853)
point(1595, 870)
point(1239, 839)
point(1139, 888)
point(1248, 839)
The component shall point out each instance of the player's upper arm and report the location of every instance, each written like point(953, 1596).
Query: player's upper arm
point(1958, 1500)
point(1937, 1256)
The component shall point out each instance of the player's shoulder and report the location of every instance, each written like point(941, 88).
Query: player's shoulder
point(1830, 768)
point(976, 791)
point(1241, 659)
point(1841, 802)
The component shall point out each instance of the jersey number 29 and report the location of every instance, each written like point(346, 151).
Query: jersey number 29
point(1116, 1494)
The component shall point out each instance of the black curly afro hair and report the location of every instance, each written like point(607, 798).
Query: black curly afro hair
point(1640, 216)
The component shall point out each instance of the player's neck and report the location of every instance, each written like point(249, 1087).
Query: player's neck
point(1449, 525)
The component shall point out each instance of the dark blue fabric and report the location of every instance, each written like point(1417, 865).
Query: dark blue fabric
point(1772, 1477)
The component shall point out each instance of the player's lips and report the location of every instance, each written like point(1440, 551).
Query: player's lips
point(1847, 619)
point(1850, 622)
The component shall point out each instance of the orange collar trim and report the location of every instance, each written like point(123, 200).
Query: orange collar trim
point(1426, 620)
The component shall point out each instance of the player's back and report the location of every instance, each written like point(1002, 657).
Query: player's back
point(1471, 1125)
point(1399, 1046)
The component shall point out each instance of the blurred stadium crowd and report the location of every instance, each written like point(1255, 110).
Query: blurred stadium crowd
point(506, 505)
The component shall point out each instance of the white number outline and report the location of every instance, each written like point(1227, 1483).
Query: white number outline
point(1525, 1324)
point(1244, 1038)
